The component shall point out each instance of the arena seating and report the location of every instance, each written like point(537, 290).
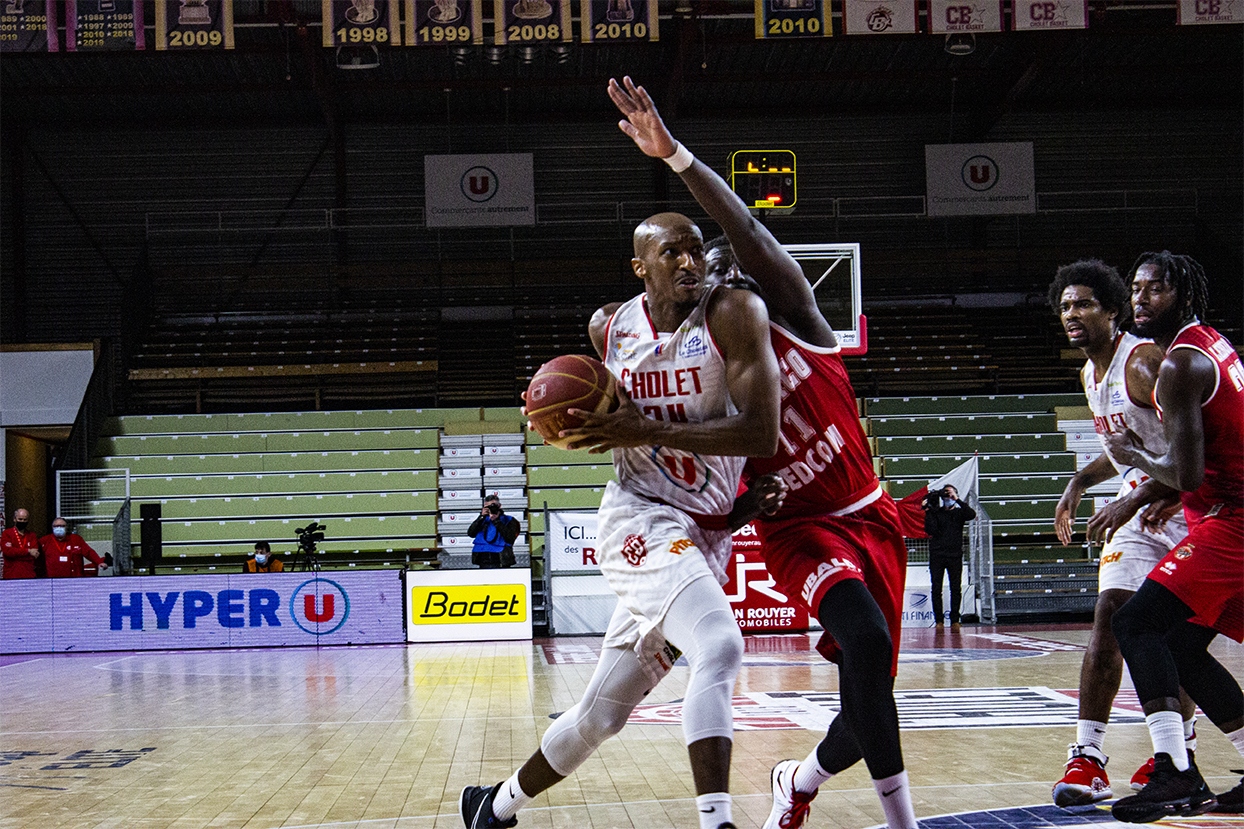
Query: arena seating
point(1024, 464)
point(380, 480)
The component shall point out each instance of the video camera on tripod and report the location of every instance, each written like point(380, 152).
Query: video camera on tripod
point(307, 557)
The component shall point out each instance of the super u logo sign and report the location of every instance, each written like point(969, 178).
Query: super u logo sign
point(317, 606)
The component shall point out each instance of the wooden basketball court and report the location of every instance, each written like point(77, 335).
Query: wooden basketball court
point(385, 737)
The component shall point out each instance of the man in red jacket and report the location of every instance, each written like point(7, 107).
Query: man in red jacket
point(64, 551)
point(20, 547)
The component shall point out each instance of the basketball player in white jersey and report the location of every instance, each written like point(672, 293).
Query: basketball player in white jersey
point(698, 388)
point(1094, 307)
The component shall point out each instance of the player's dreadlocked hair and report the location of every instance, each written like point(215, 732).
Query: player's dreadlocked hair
point(1105, 283)
point(1184, 274)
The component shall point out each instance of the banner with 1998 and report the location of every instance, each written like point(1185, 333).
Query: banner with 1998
point(354, 22)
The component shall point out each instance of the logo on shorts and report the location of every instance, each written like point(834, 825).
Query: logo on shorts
point(1111, 558)
point(677, 547)
point(824, 571)
point(1168, 567)
point(634, 550)
point(1183, 552)
point(667, 656)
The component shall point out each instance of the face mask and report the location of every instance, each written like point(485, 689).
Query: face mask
point(59, 532)
point(21, 526)
point(261, 558)
point(948, 502)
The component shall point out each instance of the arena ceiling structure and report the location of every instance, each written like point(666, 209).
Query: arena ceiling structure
point(708, 61)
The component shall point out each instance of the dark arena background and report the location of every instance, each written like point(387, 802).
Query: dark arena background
point(236, 301)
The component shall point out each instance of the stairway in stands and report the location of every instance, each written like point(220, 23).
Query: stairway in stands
point(476, 362)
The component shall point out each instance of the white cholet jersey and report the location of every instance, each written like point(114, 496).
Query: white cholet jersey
point(680, 377)
point(1114, 411)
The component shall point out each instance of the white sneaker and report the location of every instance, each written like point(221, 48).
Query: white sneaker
point(790, 808)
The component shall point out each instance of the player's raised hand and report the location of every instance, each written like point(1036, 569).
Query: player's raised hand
point(642, 123)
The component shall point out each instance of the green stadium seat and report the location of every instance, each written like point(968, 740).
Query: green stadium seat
point(539, 454)
point(983, 424)
point(935, 466)
point(974, 404)
point(568, 476)
point(577, 498)
point(889, 447)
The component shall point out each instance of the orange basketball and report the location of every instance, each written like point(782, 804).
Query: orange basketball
point(572, 381)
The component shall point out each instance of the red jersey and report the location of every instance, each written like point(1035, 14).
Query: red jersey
point(1222, 417)
point(63, 556)
point(18, 562)
point(822, 454)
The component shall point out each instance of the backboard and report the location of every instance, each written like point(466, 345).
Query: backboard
point(833, 268)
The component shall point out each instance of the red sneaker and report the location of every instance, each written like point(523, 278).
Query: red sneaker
point(1085, 781)
point(1141, 778)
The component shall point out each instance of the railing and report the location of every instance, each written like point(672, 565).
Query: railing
point(980, 546)
point(97, 503)
point(98, 403)
point(223, 222)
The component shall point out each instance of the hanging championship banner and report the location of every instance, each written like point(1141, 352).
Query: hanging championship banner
point(1205, 12)
point(979, 179)
point(618, 20)
point(950, 16)
point(792, 18)
point(355, 22)
point(193, 24)
point(531, 21)
point(28, 26)
point(1036, 15)
point(879, 17)
point(444, 22)
point(100, 25)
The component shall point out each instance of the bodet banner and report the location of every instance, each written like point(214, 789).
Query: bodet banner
point(468, 605)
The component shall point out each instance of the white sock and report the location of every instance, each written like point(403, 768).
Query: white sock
point(509, 799)
point(1166, 729)
point(1190, 733)
point(1091, 733)
point(1237, 739)
point(714, 809)
point(895, 798)
point(809, 775)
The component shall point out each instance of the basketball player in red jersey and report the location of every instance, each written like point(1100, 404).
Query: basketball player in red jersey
point(1197, 590)
point(835, 543)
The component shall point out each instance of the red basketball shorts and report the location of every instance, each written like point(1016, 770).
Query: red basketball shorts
point(807, 556)
point(1206, 572)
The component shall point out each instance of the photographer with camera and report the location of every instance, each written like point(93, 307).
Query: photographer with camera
point(262, 560)
point(494, 533)
point(944, 517)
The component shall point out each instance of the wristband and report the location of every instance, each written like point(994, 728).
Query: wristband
point(681, 159)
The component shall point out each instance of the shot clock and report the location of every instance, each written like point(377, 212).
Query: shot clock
point(764, 179)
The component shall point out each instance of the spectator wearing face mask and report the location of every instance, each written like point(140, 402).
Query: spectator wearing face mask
point(944, 518)
point(20, 547)
point(262, 560)
point(64, 552)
